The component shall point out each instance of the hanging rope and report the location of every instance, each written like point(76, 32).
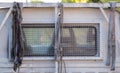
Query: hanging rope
point(58, 39)
point(17, 37)
point(60, 23)
point(111, 58)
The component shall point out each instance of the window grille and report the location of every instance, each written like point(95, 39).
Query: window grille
point(79, 41)
point(76, 40)
point(39, 40)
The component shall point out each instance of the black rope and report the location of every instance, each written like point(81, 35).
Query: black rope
point(17, 37)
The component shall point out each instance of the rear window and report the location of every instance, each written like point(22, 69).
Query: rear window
point(79, 40)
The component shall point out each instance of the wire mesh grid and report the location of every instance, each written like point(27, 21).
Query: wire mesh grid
point(39, 41)
point(76, 40)
point(79, 40)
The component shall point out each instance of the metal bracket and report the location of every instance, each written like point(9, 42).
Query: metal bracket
point(6, 17)
point(104, 14)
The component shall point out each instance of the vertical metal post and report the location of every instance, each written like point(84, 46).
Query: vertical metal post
point(56, 40)
point(58, 23)
point(111, 58)
point(113, 46)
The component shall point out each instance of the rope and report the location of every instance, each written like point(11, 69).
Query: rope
point(17, 37)
point(60, 14)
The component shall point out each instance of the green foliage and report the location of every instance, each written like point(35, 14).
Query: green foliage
point(67, 1)
point(110, 0)
point(36, 1)
point(76, 1)
point(89, 1)
point(118, 9)
point(94, 1)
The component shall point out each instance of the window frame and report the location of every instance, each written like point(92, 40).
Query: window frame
point(83, 26)
point(97, 25)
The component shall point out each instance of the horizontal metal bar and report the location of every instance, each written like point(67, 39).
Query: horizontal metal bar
point(93, 5)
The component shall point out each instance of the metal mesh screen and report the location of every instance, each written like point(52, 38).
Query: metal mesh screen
point(75, 40)
point(39, 41)
point(79, 41)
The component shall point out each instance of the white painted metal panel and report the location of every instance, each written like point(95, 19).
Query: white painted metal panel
point(47, 65)
point(38, 15)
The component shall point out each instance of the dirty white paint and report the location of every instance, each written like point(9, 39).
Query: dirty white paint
point(73, 65)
